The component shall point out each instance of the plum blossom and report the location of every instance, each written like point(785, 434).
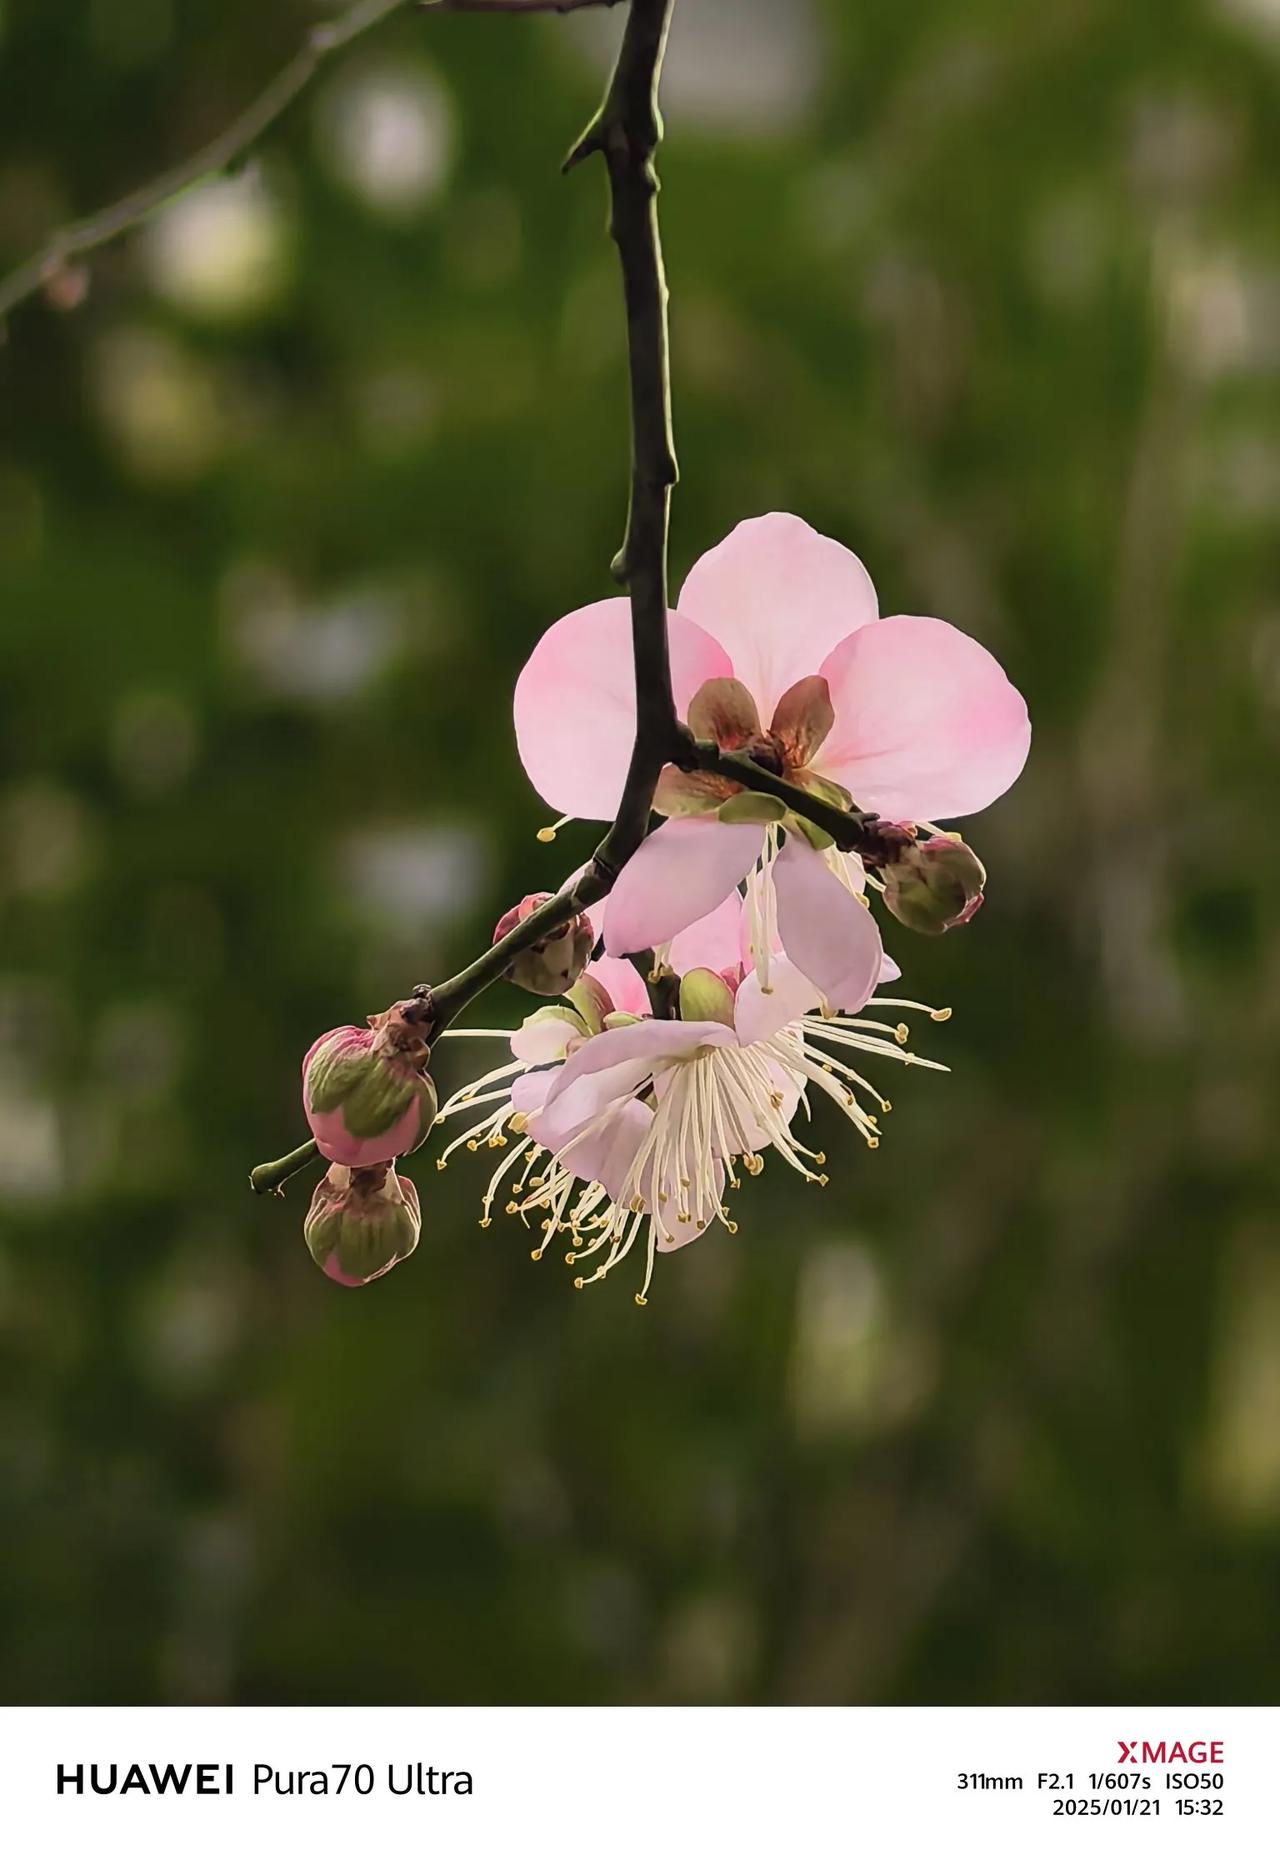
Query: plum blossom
point(777, 651)
point(629, 1129)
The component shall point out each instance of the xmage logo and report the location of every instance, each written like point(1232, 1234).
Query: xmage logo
point(1171, 1753)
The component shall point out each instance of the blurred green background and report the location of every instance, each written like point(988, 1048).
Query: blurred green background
point(989, 292)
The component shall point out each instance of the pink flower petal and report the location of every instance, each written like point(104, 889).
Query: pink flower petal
point(575, 703)
point(607, 1154)
point(758, 1014)
point(529, 1091)
point(627, 989)
point(611, 1066)
point(779, 597)
point(826, 932)
point(927, 724)
point(683, 871)
point(710, 943)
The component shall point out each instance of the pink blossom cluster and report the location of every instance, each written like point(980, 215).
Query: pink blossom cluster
point(619, 1121)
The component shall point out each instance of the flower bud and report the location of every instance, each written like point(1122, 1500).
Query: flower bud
point(555, 963)
point(366, 1093)
point(362, 1222)
point(934, 885)
point(704, 996)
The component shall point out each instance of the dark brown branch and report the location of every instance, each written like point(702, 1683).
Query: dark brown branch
point(626, 131)
point(851, 829)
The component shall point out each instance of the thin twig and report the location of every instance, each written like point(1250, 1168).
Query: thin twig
point(270, 1178)
point(85, 235)
point(510, 6)
point(89, 234)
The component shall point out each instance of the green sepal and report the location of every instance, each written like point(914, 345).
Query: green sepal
point(835, 794)
point(816, 836)
point(752, 806)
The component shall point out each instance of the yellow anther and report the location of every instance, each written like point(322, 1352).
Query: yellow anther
point(577, 1239)
point(873, 1143)
point(902, 1034)
point(536, 1253)
point(641, 1300)
point(939, 1014)
point(440, 1163)
point(472, 1145)
point(578, 1283)
point(569, 1258)
point(546, 835)
point(512, 1207)
point(486, 1222)
point(519, 1123)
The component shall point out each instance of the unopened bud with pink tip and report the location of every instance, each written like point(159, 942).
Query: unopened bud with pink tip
point(366, 1091)
point(362, 1222)
point(934, 885)
point(552, 965)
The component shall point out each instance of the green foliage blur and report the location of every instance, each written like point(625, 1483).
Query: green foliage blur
point(991, 293)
